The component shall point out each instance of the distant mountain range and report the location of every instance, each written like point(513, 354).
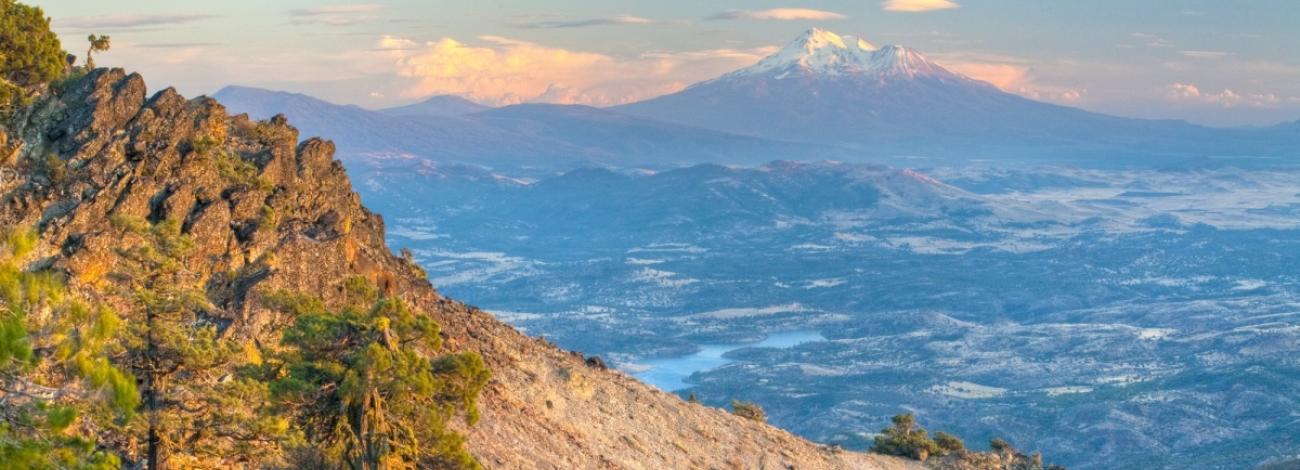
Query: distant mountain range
point(440, 105)
point(893, 100)
point(823, 96)
point(542, 135)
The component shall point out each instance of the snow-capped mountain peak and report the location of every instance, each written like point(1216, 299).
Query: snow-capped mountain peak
point(818, 52)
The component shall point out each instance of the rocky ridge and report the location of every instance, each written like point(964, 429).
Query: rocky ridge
point(281, 214)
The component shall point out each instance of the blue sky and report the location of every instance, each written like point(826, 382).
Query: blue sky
point(1212, 62)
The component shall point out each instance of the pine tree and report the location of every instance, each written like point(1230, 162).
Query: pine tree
point(176, 352)
point(97, 44)
point(30, 53)
point(368, 391)
point(56, 383)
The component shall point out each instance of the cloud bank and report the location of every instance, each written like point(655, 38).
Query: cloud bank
point(1186, 92)
point(503, 71)
point(1014, 76)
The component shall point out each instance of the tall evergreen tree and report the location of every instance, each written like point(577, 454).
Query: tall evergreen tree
point(174, 347)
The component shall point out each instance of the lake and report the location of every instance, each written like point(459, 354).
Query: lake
point(670, 373)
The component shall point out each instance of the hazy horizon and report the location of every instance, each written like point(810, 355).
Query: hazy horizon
point(1212, 63)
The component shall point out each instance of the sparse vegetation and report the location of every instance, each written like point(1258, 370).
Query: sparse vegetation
point(232, 167)
point(409, 258)
point(906, 438)
point(51, 167)
point(268, 219)
point(1001, 446)
point(748, 410)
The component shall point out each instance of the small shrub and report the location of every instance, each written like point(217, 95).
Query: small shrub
point(51, 167)
point(748, 410)
point(240, 172)
point(948, 442)
point(232, 168)
point(907, 439)
point(61, 84)
point(1001, 446)
point(204, 146)
point(129, 223)
point(268, 219)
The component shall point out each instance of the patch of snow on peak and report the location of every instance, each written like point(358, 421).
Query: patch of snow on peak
point(821, 52)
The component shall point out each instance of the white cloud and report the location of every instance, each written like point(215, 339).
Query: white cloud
point(503, 71)
point(337, 10)
point(781, 14)
point(1227, 98)
point(913, 6)
point(1206, 54)
point(1151, 40)
point(610, 21)
point(337, 15)
point(129, 22)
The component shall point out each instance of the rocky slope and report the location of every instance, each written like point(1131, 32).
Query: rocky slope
point(279, 213)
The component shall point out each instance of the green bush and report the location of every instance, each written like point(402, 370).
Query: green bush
point(948, 442)
point(30, 54)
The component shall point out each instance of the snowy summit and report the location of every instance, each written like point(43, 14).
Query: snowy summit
point(818, 52)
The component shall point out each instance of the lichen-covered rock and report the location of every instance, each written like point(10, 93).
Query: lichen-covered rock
point(269, 212)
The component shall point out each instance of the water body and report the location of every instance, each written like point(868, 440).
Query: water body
point(670, 373)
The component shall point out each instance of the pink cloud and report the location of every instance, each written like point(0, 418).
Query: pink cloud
point(504, 71)
point(915, 6)
point(781, 14)
point(1016, 78)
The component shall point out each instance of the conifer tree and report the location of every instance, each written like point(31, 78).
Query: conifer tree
point(97, 44)
point(369, 391)
point(175, 350)
point(56, 383)
point(30, 52)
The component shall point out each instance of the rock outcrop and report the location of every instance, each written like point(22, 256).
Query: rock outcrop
point(278, 213)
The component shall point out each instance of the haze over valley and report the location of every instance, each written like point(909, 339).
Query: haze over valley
point(884, 235)
point(1000, 266)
